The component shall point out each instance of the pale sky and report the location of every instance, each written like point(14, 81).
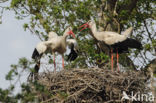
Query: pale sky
point(15, 43)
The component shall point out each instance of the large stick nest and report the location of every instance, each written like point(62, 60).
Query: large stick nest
point(90, 85)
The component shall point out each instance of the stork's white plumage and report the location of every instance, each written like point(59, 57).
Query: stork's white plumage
point(55, 43)
point(51, 35)
point(118, 43)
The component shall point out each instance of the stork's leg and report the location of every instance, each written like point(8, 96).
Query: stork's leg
point(112, 59)
point(117, 56)
point(54, 62)
point(63, 61)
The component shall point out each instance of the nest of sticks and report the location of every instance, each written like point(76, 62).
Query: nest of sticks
point(93, 85)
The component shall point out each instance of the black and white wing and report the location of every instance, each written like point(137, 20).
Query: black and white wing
point(111, 38)
point(39, 50)
point(124, 45)
point(37, 54)
point(73, 46)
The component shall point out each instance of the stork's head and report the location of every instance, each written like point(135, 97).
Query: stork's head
point(69, 31)
point(87, 25)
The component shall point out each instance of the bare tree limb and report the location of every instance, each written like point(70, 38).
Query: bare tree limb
point(130, 6)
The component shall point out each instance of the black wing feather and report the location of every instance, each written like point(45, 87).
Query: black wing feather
point(72, 55)
point(36, 54)
point(124, 45)
point(132, 43)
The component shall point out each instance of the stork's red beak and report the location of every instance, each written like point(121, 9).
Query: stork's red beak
point(71, 32)
point(85, 26)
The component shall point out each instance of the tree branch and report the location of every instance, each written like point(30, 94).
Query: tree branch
point(130, 6)
point(151, 65)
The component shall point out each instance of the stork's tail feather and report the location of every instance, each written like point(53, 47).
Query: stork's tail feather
point(128, 31)
point(132, 43)
point(35, 54)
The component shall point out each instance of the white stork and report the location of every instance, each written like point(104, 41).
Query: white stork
point(116, 42)
point(54, 44)
point(72, 44)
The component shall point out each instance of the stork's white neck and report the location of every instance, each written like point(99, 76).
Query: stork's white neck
point(65, 34)
point(64, 37)
point(93, 28)
point(94, 31)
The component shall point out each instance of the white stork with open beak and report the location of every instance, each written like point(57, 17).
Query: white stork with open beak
point(54, 44)
point(117, 43)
